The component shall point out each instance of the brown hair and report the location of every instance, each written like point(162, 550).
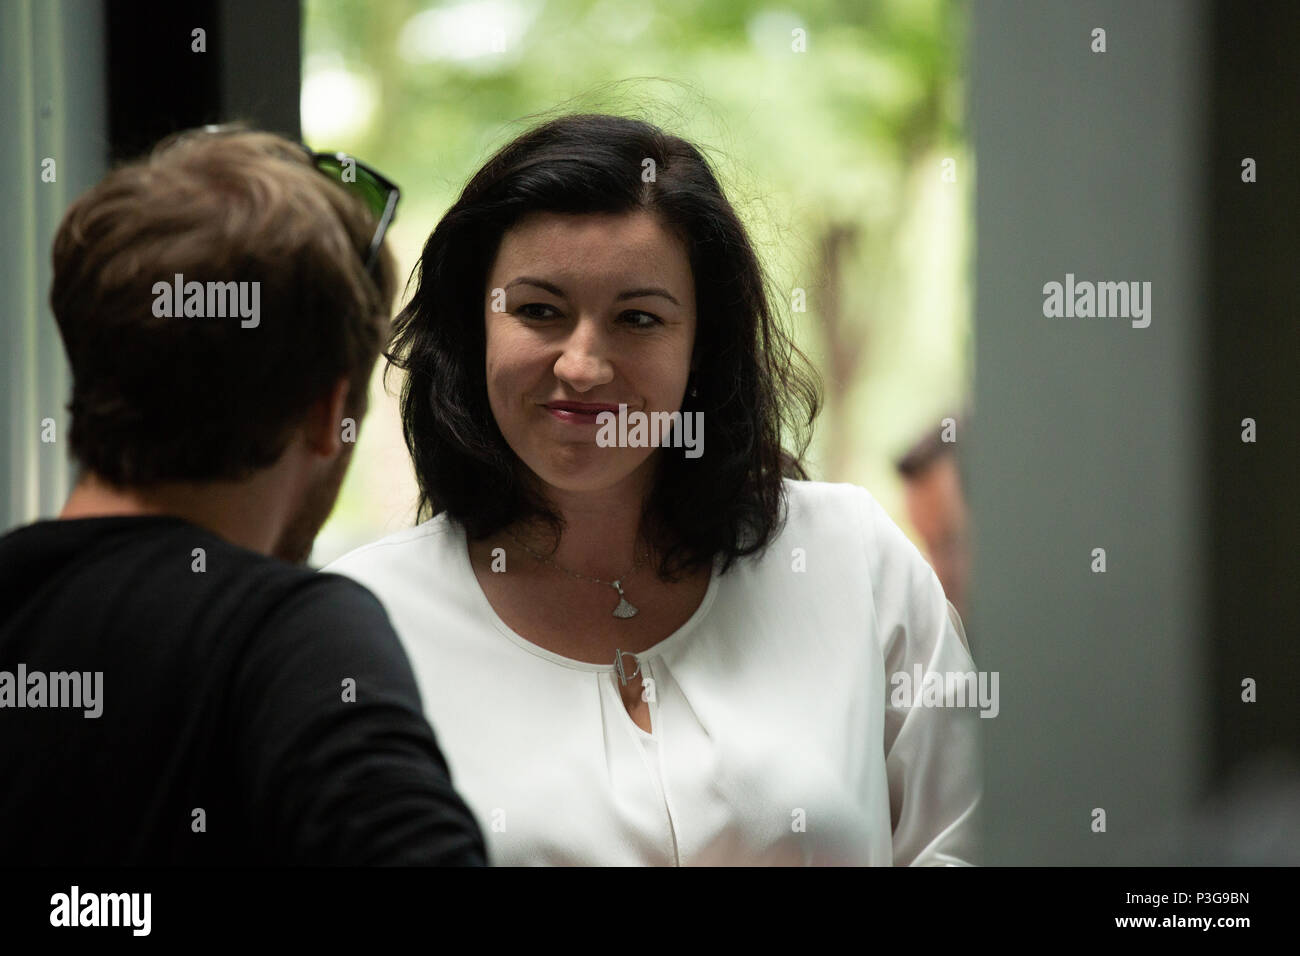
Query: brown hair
point(193, 399)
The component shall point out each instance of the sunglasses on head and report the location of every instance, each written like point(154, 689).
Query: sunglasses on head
point(373, 188)
point(376, 191)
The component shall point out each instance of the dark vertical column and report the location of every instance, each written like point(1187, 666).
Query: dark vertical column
point(261, 62)
point(1254, 358)
point(156, 83)
point(159, 83)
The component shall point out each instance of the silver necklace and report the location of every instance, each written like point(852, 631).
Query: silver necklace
point(625, 608)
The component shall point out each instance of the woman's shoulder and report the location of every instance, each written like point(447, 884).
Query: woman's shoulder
point(429, 541)
point(848, 515)
point(835, 508)
point(903, 585)
point(827, 493)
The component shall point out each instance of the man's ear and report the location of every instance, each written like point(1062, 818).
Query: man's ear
point(323, 428)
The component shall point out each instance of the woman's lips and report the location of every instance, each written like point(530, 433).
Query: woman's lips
point(578, 414)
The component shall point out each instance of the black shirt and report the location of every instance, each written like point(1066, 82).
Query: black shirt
point(253, 712)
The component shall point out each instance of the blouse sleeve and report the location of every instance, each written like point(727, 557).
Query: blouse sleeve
point(931, 752)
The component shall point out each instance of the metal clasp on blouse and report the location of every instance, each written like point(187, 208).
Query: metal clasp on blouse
point(623, 676)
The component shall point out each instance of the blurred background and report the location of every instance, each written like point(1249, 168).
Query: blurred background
point(1010, 446)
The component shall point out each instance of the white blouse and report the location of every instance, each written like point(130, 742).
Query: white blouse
point(777, 735)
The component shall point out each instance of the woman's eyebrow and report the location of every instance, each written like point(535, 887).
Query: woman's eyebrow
point(649, 290)
point(554, 289)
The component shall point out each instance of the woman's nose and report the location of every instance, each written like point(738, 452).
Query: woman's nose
point(584, 361)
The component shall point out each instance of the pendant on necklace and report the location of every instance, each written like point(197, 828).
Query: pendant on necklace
point(625, 608)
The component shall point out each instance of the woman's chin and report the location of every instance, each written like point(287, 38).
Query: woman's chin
point(587, 470)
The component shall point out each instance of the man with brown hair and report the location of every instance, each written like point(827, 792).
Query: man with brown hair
point(172, 689)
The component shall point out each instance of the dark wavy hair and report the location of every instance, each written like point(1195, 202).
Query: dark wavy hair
point(754, 385)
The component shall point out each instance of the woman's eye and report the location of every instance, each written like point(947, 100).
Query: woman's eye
point(637, 319)
point(534, 305)
point(645, 320)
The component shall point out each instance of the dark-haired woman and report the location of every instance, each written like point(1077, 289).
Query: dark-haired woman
point(639, 649)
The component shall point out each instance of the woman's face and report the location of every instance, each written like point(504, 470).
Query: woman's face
point(584, 313)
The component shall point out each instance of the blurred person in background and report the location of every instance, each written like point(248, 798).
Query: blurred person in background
point(936, 507)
